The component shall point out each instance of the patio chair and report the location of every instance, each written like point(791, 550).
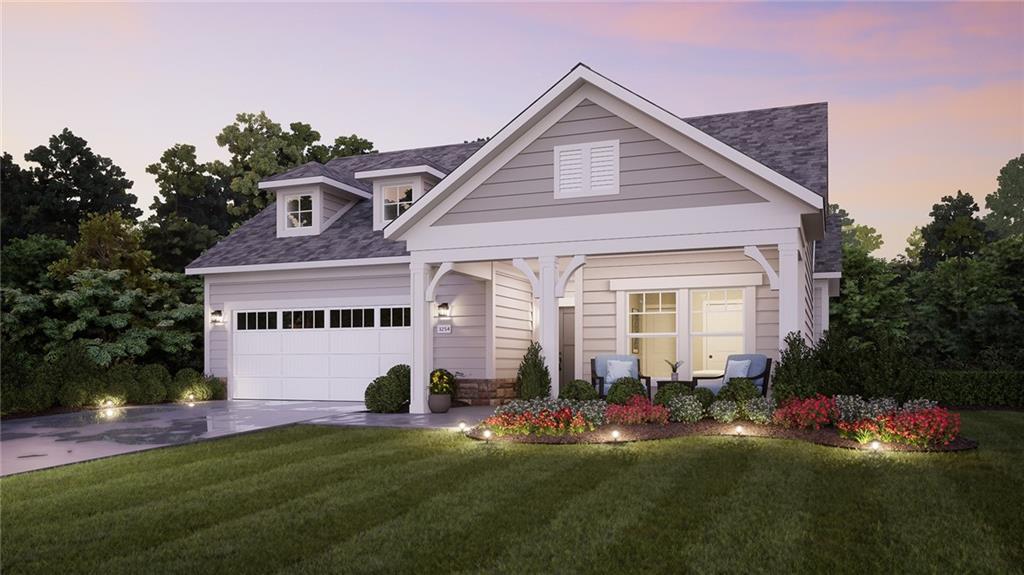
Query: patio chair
point(759, 372)
point(599, 373)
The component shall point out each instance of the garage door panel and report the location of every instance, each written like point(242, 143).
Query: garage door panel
point(258, 366)
point(257, 342)
point(388, 360)
point(313, 388)
point(355, 341)
point(258, 387)
point(304, 365)
point(366, 367)
point(347, 388)
point(396, 340)
point(301, 341)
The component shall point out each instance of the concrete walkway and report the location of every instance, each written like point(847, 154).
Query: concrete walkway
point(51, 440)
point(450, 420)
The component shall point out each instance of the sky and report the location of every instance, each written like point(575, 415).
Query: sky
point(924, 98)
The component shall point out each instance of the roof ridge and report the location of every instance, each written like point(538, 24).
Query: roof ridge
point(768, 109)
point(401, 151)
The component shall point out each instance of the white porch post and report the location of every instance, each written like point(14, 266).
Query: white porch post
point(422, 337)
point(789, 291)
point(548, 305)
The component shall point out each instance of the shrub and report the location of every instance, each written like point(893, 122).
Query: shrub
point(918, 405)
point(545, 416)
point(739, 390)
point(387, 394)
point(813, 412)
point(923, 428)
point(32, 397)
point(758, 409)
point(442, 382)
point(685, 408)
point(117, 382)
point(797, 374)
point(880, 406)
point(636, 411)
point(401, 372)
point(723, 411)
point(704, 395)
point(850, 408)
point(972, 388)
point(151, 384)
point(72, 374)
point(667, 391)
point(625, 388)
point(579, 390)
point(533, 379)
point(195, 386)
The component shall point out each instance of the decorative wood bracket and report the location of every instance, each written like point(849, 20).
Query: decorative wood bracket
point(441, 271)
point(576, 263)
point(521, 265)
point(754, 253)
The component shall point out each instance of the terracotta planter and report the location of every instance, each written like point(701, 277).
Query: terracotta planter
point(439, 403)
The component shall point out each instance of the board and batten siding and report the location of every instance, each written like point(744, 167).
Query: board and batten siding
point(653, 176)
point(513, 319)
point(600, 327)
point(463, 350)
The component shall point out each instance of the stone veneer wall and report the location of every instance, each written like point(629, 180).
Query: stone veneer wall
point(486, 391)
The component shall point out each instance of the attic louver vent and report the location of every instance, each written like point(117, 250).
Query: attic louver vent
point(590, 169)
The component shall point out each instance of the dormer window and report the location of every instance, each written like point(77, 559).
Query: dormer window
point(397, 199)
point(299, 211)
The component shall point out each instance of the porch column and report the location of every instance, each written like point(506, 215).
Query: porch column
point(422, 337)
point(548, 304)
point(789, 291)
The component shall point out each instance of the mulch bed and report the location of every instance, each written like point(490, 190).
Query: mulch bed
point(628, 433)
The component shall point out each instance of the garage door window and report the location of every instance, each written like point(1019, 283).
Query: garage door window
point(250, 320)
point(304, 319)
point(395, 317)
point(349, 318)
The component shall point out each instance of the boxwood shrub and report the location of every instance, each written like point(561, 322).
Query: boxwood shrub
point(666, 391)
point(625, 388)
point(704, 395)
point(738, 389)
point(972, 388)
point(387, 393)
point(151, 385)
point(200, 387)
point(578, 390)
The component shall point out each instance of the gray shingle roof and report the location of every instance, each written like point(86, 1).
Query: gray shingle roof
point(790, 140)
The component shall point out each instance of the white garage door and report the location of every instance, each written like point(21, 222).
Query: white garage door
point(316, 354)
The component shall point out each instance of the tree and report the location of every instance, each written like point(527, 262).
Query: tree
point(25, 261)
point(872, 300)
point(107, 242)
point(69, 183)
point(855, 234)
point(174, 241)
point(190, 191)
point(343, 146)
point(533, 379)
point(954, 231)
point(915, 245)
point(1006, 204)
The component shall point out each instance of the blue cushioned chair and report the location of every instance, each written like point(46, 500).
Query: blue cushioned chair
point(759, 372)
point(599, 373)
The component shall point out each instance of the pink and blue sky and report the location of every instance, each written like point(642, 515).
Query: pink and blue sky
point(925, 98)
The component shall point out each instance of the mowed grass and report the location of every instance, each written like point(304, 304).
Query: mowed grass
point(315, 499)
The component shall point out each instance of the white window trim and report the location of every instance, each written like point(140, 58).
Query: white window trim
point(586, 190)
point(683, 336)
point(384, 190)
point(417, 184)
point(283, 231)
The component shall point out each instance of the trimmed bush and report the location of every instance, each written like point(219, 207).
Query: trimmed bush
point(37, 396)
point(666, 391)
point(195, 386)
point(797, 373)
point(387, 394)
point(533, 379)
point(758, 409)
point(625, 388)
point(74, 375)
point(578, 390)
point(704, 395)
point(972, 388)
point(724, 411)
point(401, 372)
point(151, 384)
point(218, 388)
point(22, 390)
point(685, 408)
point(739, 390)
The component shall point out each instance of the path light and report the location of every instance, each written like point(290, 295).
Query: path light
point(739, 430)
point(615, 435)
point(487, 435)
point(462, 426)
point(191, 397)
point(108, 403)
point(109, 412)
point(875, 446)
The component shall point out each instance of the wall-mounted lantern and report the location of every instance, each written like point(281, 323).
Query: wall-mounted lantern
point(216, 318)
point(444, 311)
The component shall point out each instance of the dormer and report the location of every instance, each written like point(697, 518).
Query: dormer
point(308, 205)
point(395, 189)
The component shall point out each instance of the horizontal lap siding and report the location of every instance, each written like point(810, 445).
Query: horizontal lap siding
point(463, 349)
point(513, 326)
point(599, 307)
point(653, 176)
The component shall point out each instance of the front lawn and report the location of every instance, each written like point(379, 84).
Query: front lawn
point(315, 499)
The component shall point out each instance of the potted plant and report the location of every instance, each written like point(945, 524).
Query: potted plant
point(442, 388)
point(675, 369)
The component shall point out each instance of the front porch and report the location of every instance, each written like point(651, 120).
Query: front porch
point(696, 306)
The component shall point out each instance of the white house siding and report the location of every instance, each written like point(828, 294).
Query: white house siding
point(807, 294)
point(653, 176)
point(513, 323)
point(332, 204)
point(463, 350)
point(600, 329)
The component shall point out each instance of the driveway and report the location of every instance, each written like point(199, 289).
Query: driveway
point(52, 440)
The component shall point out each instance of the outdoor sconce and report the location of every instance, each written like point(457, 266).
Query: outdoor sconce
point(444, 311)
point(216, 318)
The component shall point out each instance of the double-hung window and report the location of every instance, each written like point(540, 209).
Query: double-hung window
point(299, 211)
point(397, 199)
point(651, 330)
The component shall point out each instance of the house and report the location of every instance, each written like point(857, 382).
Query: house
point(593, 222)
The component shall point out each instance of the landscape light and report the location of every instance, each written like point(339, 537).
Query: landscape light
point(109, 412)
point(191, 397)
point(108, 403)
point(739, 430)
point(615, 434)
point(462, 426)
point(875, 445)
point(487, 434)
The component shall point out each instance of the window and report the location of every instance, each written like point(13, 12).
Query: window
point(348, 318)
point(395, 317)
point(397, 200)
point(299, 211)
point(716, 328)
point(304, 319)
point(652, 330)
point(250, 320)
point(590, 169)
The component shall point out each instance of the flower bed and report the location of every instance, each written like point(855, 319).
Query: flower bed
point(841, 421)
